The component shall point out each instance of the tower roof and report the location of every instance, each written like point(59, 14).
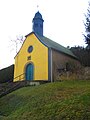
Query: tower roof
point(38, 24)
point(38, 15)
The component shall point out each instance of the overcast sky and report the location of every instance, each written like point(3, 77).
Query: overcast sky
point(63, 23)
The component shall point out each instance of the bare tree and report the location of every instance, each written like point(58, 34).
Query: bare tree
point(16, 43)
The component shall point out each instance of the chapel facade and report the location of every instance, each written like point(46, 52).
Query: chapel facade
point(40, 58)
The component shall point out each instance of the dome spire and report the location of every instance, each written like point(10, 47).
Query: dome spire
point(38, 24)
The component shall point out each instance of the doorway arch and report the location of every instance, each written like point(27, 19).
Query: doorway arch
point(29, 72)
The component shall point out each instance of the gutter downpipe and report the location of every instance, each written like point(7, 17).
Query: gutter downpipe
point(51, 66)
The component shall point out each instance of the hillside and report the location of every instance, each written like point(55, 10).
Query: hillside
point(67, 100)
point(6, 74)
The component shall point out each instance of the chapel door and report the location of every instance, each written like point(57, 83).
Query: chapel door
point(29, 72)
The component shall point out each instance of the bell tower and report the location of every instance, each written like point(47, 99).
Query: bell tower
point(38, 24)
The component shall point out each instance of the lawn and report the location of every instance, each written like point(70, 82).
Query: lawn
point(66, 100)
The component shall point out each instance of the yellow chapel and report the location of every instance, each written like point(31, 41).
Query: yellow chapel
point(40, 58)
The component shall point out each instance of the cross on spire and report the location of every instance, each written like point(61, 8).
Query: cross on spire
point(38, 7)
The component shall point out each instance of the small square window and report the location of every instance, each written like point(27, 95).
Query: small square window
point(29, 58)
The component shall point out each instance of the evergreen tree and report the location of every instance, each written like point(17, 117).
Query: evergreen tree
point(87, 28)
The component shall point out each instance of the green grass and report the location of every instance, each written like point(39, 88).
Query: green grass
point(67, 100)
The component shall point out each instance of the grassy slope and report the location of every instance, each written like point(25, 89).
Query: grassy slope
point(54, 101)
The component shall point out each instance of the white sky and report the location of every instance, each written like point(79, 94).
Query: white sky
point(63, 23)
